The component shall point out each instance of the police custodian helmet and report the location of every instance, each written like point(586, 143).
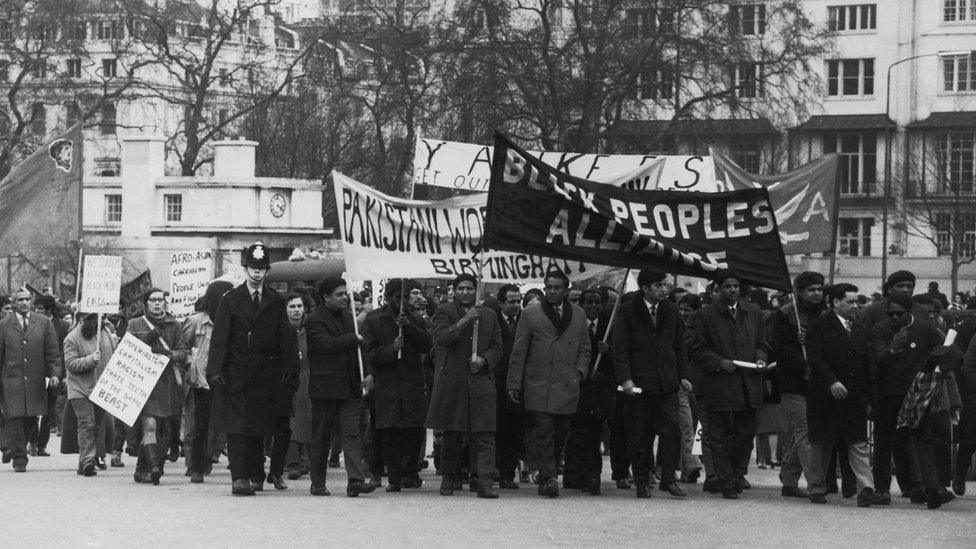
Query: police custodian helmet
point(256, 255)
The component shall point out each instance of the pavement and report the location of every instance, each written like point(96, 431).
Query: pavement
point(51, 506)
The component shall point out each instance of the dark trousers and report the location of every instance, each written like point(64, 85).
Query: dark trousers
point(15, 437)
point(584, 462)
point(39, 429)
point(647, 416)
point(942, 433)
point(839, 458)
point(121, 433)
point(400, 449)
point(619, 452)
point(509, 430)
point(731, 435)
point(199, 453)
point(246, 457)
point(481, 446)
point(920, 451)
point(543, 443)
point(890, 444)
point(279, 446)
point(326, 416)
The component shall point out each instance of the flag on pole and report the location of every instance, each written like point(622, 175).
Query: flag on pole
point(40, 199)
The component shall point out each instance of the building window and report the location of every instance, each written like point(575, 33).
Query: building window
point(961, 227)
point(747, 19)
point(956, 159)
point(847, 77)
point(855, 236)
point(852, 18)
point(108, 30)
point(747, 80)
point(748, 155)
point(76, 30)
point(113, 208)
point(646, 22)
point(7, 28)
point(74, 68)
point(225, 78)
point(655, 84)
point(173, 205)
point(859, 160)
point(110, 68)
point(38, 119)
point(39, 68)
point(4, 71)
point(959, 72)
point(959, 10)
point(73, 112)
point(108, 122)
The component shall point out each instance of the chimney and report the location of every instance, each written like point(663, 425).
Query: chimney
point(234, 158)
point(143, 163)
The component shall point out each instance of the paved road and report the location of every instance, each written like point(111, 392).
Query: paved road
point(50, 506)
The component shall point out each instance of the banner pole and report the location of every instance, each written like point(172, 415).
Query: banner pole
point(796, 315)
point(78, 281)
point(355, 330)
point(400, 332)
point(477, 321)
point(613, 316)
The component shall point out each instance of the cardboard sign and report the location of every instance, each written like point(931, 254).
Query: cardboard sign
point(189, 276)
point(128, 379)
point(101, 284)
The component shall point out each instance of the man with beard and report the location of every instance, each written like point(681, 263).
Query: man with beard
point(509, 426)
point(462, 401)
point(394, 342)
point(787, 342)
point(726, 330)
point(550, 357)
point(253, 350)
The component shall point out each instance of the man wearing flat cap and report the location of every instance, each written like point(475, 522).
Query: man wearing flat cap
point(399, 389)
point(253, 352)
point(898, 282)
point(729, 329)
point(787, 341)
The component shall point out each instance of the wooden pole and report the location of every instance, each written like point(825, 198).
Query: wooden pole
point(78, 282)
point(477, 321)
point(400, 332)
point(355, 330)
point(613, 316)
point(796, 315)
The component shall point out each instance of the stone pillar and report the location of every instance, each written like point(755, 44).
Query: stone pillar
point(143, 163)
point(234, 158)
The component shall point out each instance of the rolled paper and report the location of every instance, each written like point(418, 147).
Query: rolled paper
point(752, 365)
point(637, 390)
point(950, 337)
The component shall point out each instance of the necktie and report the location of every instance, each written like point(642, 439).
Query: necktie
point(23, 321)
point(257, 299)
point(654, 315)
point(593, 328)
point(847, 325)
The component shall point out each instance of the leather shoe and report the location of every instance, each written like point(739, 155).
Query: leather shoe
point(742, 484)
point(919, 496)
point(690, 477)
point(278, 482)
point(593, 487)
point(413, 482)
point(242, 487)
point(447, 487)
point(196, 478)
point(485, 491)
point(959, 486)
point(41, 452)
point(673, 489)
point(884, 497)
point(623, 484)
point(20, 465)
point(88, 469)
point(257, 486)
point(393, 487)
point(643, 489)
point(933, 499)
point(319, 490)
point(356, 487)
point(730, 494)
point(550, 488)
point(711, 485)
point(117, 460)
point(31, 449)
point(848, 490)
point(869, 497)
point(472, 486)
point(508, 485)
point(6, 457)
point(100, 463)
point(794, 492)
point(333, 464)
point(832, 487)
point(294, 475)
point(818, 498)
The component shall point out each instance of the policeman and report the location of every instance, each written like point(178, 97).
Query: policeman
point(253, 350)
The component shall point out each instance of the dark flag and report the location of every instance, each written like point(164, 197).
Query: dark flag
point(40, 199)
point(534, 208)
point(805, 200)
point(131, 294)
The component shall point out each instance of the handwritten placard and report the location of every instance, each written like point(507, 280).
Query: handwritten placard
point(128, 379)
point(189, 276)
point(101, 284)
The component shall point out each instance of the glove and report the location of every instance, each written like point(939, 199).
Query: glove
point(160, 350)
point(215, 379)
point(515, 396)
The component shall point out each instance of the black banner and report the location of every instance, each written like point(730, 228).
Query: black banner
point(131, 294)
point(533, 208)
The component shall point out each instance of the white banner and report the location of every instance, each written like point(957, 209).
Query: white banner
point(101, 284)
point(189, 276)
point(128, 379)
point(385, 237)
point(468, 166)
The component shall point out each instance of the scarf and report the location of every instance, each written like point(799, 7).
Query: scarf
point(923, 389)
point(560, 323)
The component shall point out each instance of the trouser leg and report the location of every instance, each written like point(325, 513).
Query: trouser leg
point(884, 434)
point(574, 472)
point(859, 458)
point(665, 420)
point(921, 455)
point(199, 451)
point(686, 425)
point(255, 455)
point(323, 417)
point(482, 444)
point(237, 456)
point(350, 411)
point(619, 443)
point(451, 455)
point(44, 427)
point(393, 454)
point(720, 438)
point(820, 453)
point(942, 446)
point(540, 444)
point(706, 443)
point(85, 414)
point(508, 437)
point(797, 460)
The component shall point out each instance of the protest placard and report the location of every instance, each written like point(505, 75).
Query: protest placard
point(129, 378)
point(101, 284)
point(190, 273)
point(131, 294)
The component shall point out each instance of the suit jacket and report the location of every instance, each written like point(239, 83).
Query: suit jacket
point(598, 397)
point(332, 358)
point(836, 355)
point(508, 339)
point(546, 366)
point(653, 357)
point(718, 337)
point(253, 349)
point(26, 358)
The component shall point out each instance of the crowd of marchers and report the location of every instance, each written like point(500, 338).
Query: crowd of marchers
point(516, 388)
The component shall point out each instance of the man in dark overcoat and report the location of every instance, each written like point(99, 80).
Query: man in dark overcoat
point(838, 394)
point(649, 354)
point(335, 387)
point(31, 364)
point(730, 329)
point(462, 401)
point(509, 425)
point(396, 362)
point(253, 349)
